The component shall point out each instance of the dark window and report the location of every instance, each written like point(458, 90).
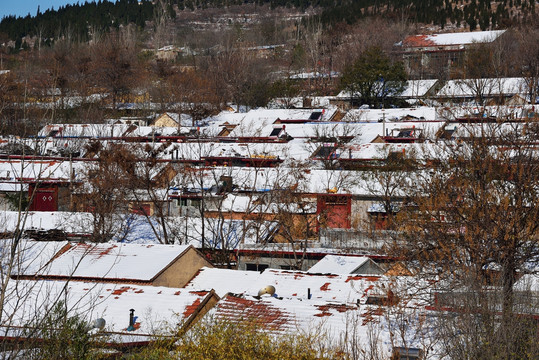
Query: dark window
point(315, 115)
point(336, 200)
point(256, 267)
point(395, 156)
point(276, 132)
point(288, 267)
point(324, 152)
point(405, 133)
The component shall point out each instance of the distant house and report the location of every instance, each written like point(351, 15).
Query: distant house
point(167, 119)
point(130, 313)
point(339, 264)
point(434, 56)
point(167, 53)
point(281, 256)
point(48, 184)
point(156, 265)
point(335, 306)
point(486, 91)
point(415, 91)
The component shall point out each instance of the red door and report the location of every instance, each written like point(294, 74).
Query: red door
point(44, 199)
point(334, 211)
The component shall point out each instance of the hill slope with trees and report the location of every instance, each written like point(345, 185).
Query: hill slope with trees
point(80, 20)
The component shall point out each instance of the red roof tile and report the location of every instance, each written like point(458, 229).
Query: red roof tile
point(260, 313)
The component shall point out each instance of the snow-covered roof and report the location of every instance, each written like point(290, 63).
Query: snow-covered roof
point(369, 131)
point(44, 220)
point(381, 151)
point(256, 123)
point(486, 87)
point(114, 261)
point(199, 151)
point(504, 112)
point(391, 114)
point(287, 283)
point(298, 102)
point(309, 181)
point(338, 264)
point(528, 282)
point(412, 89)
point(417, 88)
point(30, 257)
point(104, 130)
point(223, 281)
point(448, 39)
point(158, 309)
point(40, 170)
point(334, 319)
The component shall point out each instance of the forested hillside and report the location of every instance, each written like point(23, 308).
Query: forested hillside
point(81, 19)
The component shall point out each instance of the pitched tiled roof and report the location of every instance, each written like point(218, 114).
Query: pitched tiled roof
point(157, 308)
point(139, 262)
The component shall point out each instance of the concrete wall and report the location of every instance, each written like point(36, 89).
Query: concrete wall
point(182, 270)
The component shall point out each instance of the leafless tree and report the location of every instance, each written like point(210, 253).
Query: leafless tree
point(472, 221)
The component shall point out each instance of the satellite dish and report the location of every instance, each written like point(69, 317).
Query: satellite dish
point(99, 324)
point(270, 290)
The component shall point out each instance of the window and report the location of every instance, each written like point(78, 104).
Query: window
point(256, 267)
point(383, 300)
point(276, 132)
point(324, 152)
point(315, 115)
point(405, 133)
point(288, 267)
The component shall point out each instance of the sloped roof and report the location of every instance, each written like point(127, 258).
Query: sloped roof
point(338, 264)
point(114, 261)
point(223, 281)
point(417, 88)
point(375, 115)
point(157, 308)
point(287, 283)
point(309, 181)
point(412, 89)
point(334, 322)
point(259, 122)
point(460, 38)
point(329, 287)
point(30, 256)
point(42, 170)
point(486, 87)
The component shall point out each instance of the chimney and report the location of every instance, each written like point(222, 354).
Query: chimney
point(131, 318)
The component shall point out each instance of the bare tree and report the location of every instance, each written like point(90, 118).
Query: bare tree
point(115, 64)
point(473, 220)
point(104, 194)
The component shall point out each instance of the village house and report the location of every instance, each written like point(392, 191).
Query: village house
point(435, 56)
point(143, 264)
point(342, 264)
point(123, 316)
